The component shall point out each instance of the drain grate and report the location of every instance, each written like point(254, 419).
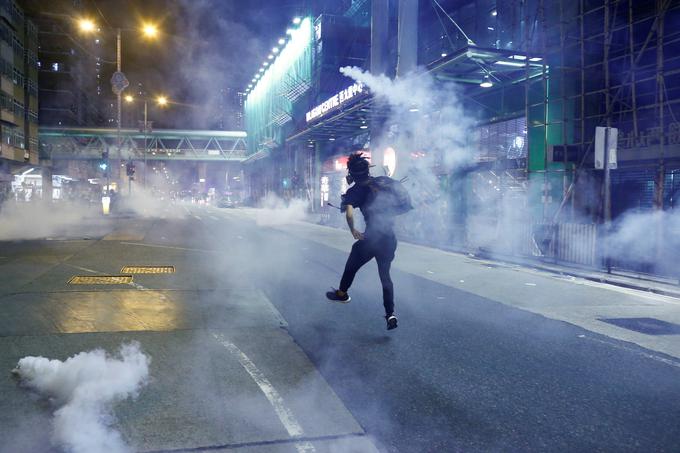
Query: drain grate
point(148, 270)
point(649, 326)
point(101, 280)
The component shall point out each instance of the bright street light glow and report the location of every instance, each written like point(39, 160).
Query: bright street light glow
point(261, 69)
point(150, 30)
point(250, 85)
point(282, 41)
point(289, 31)
point(162, 100)
point(297, 20)
point(265, 64)
point(486, 83)
point(270, 56)
point(129, 98)
point(275, 50)
point(87, 25)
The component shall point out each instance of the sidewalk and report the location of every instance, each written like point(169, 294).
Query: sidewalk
point(630, 280)
point(591, 300)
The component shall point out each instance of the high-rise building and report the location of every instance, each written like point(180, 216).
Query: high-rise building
point(18, 89)
point(71, 79)
point(229, 115)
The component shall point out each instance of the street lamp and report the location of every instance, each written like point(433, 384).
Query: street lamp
point(150, 30)
point(162, 101)
point(86, 25)
point(118, 81)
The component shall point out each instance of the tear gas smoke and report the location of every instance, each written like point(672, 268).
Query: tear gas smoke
point(429, 129)
point(434, 133)
point(84, 388)
point(276, 211)
point(649, 238)
point(35, 220)
point(144, 203)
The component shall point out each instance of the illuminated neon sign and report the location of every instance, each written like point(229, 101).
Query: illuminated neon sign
point(335, 101)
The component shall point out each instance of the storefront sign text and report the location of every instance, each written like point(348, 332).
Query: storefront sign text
point(335, 101)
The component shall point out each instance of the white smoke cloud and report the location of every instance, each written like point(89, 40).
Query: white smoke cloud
point(144, 203)
point(84, 388)
point(24, 221)
point(429, 129)
point(424, 117)
point(646, 238)
point(276, 211)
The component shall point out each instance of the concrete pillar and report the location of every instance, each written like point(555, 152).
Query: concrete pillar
point(47, 183)
point(407, 59)
point(379, 65)
point(202, 175)
point(379, 35)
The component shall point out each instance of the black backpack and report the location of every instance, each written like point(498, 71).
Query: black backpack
point(388, 196)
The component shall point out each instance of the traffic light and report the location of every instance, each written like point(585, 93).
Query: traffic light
point(104, 163)
point(130, 168)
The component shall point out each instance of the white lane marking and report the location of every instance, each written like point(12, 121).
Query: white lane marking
point(287, 417)
point(83, 269)
point(647, 355)
point(214, 218)
point(138, 286)
point(530, 284)
point(168, 247)
point(197, 217)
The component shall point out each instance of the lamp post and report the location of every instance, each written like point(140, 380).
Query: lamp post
point(118, 81)
point(161, 101)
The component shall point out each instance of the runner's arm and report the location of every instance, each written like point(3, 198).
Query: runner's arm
point(349, 215)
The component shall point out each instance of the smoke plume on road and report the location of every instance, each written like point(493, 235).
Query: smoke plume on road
point(84, 389)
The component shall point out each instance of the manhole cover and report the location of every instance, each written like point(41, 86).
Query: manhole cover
point(649, 326)
point(148, 270)
point(101, 280)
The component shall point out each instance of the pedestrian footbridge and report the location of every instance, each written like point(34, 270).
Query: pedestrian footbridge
point(63, 143)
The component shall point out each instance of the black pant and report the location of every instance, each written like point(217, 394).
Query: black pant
point(382, 248)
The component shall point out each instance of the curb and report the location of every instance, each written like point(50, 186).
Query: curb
point(563, 270)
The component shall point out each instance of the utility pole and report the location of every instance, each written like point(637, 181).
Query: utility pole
point(146, 130)
point(118, 83)
point(118, 98)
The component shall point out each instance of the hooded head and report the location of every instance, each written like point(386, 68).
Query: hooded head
point(358, 168)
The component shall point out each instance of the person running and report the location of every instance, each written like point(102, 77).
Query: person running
point(380, 200)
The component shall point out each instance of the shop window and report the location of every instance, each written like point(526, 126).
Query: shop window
point(504, 140)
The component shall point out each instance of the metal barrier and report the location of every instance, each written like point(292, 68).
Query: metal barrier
point(577, 243)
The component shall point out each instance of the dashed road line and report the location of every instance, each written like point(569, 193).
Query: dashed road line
point(169, 247)
point(673, 363)
point(285, 415)
point(92, 271)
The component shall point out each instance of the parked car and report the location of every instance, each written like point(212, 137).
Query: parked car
point(226, 202)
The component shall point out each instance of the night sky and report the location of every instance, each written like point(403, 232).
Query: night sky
point(205, 46)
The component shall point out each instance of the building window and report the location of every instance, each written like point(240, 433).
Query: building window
point(55, 67)
point(17, 77)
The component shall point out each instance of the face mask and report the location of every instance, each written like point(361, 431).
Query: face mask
point(349, 179)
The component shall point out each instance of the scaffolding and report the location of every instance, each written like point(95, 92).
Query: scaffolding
point(611, 64)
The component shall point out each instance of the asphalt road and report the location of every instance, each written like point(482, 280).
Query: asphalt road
point(461, 373)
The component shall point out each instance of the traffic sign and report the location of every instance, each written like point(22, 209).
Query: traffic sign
point(119, 82)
